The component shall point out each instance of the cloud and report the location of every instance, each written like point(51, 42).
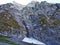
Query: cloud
point(25, 2)
point(5, 1)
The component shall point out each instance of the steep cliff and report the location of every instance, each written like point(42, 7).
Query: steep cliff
point(10, 20)
point(43, 21)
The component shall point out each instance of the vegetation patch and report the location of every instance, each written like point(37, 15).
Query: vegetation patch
point(7, 21)
point(4, 40)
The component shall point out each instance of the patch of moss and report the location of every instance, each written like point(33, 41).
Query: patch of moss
point(43, 19)
point(6, 21)
point(4, 40)
point(56, 22)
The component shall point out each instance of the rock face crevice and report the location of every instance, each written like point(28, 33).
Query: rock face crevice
point(38, 20)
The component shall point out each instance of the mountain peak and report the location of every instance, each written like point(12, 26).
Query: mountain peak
point(32, 3)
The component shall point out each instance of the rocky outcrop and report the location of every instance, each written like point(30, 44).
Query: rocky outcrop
point(10, 20)
point(42, 20)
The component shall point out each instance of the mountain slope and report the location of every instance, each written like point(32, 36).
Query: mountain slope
point(43, 22)
point(37, 20)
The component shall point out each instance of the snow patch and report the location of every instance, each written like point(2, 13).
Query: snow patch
point(32, 40)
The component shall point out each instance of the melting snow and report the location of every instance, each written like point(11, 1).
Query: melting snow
point(32, 40)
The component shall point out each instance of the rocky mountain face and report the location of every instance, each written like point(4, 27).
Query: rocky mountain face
point(38, 20)
point(10, 22)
